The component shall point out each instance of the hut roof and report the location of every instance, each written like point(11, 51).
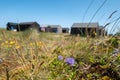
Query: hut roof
point(27, 23)
point(82, 25)
point(11, 23)
point(55, 26)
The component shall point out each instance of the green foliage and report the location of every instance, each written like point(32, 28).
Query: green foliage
point(114, 41)
point(59, 69)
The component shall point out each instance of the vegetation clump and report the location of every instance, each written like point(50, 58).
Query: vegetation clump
point(47, 56)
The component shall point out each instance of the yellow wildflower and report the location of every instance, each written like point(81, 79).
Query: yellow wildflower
point(95, 33)
point(17, 47)
point(105, 78)
point(40, 44)
point(12, 42)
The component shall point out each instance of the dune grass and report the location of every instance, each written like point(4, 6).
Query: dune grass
point(31, 55)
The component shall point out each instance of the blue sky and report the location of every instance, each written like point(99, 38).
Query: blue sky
point(61, 12)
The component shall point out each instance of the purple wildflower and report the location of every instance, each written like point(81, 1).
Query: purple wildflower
point(115, 52)
point(70, 61)
point(1, 60)
point(60, 57)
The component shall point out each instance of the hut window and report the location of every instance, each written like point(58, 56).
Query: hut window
point(54, 29)
point(12, 28)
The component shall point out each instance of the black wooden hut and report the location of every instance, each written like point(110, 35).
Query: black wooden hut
point(12, 26)
point(65, 30)
point(53, 28)
point(23, 26)
point(29, 25)
point(84, 29)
